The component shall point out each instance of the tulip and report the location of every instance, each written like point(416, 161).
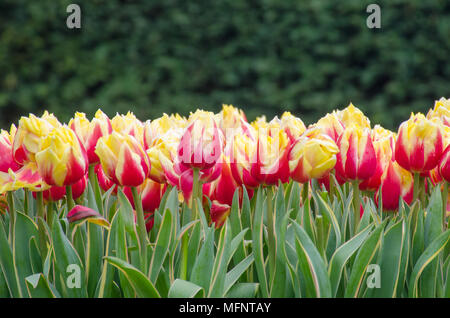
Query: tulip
point(123, 160)
point(57, 193)
point(27, 177)
point(312, 155)
point(219, 213)
point(202, 142)
point(419, 144)
point(90, 131)
point(104, 182)
point(29, 133)
point(353, 116)
point(356, 159)
point(6, 158)
point(128, 125)
point(398, 182)
point(150, 192)
point(243, 154)
point(271, 164)
point(331, 125)
point(61, 159)
point(292, 126)
point(229, 119)
point(383, 142)
point(441, 110)
point(153, 130)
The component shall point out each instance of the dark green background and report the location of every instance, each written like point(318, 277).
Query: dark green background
point(265, 56)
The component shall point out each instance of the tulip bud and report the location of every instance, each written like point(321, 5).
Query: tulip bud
point(419, 144)
point(356, 159)
point(441, 110)
point(397, 183)
point(153, 130)
point(242, 156)
point(219, 213)
point(383, 142)
point(353, 116)
point(61, 159)
point(202, 142)
point(28, 136)
point(90, 132)
point(123, 160)
point(104, 182)
point(444, 165)
point(6, 159)
point(331, 125)
point(230, 118)
point(292, 126)
point(312, 155)
point(128, 125)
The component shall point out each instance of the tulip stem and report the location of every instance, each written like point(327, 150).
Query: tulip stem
point(40, 222)
point(416, 186)
point(195, 191)
point(50, 213)
point(12, 212)
point(142, 233)
point(356, 203)
point(70, 202)
point(331, 186)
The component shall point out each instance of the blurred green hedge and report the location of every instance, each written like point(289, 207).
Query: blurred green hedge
point(264, 56)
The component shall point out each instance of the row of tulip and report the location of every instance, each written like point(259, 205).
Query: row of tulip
point(215, 164)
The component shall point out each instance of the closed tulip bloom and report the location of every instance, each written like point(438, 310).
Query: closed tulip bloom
point(61, 159)
point(441, 110)
point(351, 115)
point(331, 125)
point(356, 159)
point(153, 130)
point(383, 142)
point(123, 159)
point(90, 131)
point(419, 144)
point(230, 118)
point(397, 183)
point(292, 126)
point(150, 192)
point(6, 158)
point(271, 164)
point(242, 156)
point(219, 213)
point(29, 133)
point(312, 156)
point(128, 125)
point(166, 146)
point(202, 142)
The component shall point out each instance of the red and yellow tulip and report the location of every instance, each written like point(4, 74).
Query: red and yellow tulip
point(123, 159)
point(6, 158)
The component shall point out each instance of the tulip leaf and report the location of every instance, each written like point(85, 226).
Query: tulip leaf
point(341, 257)
point(184, 289)
point(364, 257)
point(234, 274)
point(220, 263)
point(430, 253)
point(7, 264)
point(142, 286)
point(243, 290)
point(204, 262)
point(38, 287)
point(311, 265)
point(257, 243)
point(236, 227)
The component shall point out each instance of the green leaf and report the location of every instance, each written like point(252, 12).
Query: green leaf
point(204, 262)
point(220, 263)
point(142, 286)
point(364, 257)
point(236, 227)
point(163, 241)
point(38, 286)
point(243, 290)
point(184, 289)
point(312, 265)
point(94, 256)
point(7, 265)
point(65, 255)
point(394, 261)
point(330, 217)
point(233, 275)
point(341, 257)
point(25, 229)
point(430, 253)
point(257, 243)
